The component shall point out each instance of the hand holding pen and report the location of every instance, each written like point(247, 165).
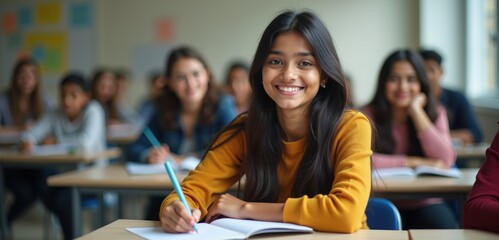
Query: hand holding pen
point(160, 152)
point(177, 216)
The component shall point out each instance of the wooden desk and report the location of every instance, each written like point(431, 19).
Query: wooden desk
point(10, 138)
point(476, 151)
point(16, 159)
point(117, 230)
point(452, 234)
point(110, 178)
point(116, 178)
point(427, 187)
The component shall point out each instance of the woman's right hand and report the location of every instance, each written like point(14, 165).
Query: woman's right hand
point(158, 155)
point(176, 219)
point(414, 161)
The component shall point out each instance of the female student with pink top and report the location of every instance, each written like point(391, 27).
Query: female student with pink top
point(481, 211)
point(411, 130)
point(304, 153)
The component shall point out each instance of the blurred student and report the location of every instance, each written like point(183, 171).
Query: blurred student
point(190, 113)
point(105, 91)
point(121, 84)
point(148, 106)
point(412, 130)
point(79, 122)
point(305, 154)
point(239, 85)
point(23, 103)
point(481, 211)
point(463, 123)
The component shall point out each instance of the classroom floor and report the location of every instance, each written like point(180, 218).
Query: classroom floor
point(30, 225)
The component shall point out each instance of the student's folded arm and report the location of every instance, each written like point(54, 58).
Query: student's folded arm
point(40, 129)
point(217, 172)
point(381, 160)
point(342, 210)
point(436, 142)
point(92, 129)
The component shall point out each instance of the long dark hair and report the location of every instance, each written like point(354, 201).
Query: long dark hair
point(111, 105)
point(169, 103)
point(263, 132)
point(382, 111)
point(36, 106)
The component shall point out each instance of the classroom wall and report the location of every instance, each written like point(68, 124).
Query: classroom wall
point(441, 29)
point(364, 33)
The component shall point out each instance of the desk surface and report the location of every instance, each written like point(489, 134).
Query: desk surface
point(427, 183)
point(116, 230)
point(116, 176)
point(454, 234)
point(15, 157)
point(111, 176)
point(472, 151)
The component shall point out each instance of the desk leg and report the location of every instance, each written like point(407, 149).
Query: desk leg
point(461, 201)
point(102, 210)
point(3, 209)
point(75, 196)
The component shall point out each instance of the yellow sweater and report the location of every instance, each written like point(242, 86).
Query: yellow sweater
point(342, 210)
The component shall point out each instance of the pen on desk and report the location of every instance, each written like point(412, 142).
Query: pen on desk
point(177, 188)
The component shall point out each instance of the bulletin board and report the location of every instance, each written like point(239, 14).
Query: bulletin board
point(59, 35)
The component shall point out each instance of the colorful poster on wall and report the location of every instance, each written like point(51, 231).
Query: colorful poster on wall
point(48, 13)
point(80, 15)
point(25, 17)
point(49, 49)
point(165, 30)
point(9, 23)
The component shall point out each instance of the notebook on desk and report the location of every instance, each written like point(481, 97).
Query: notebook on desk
point(225, 228)
point(418, 171)
point(133, 168)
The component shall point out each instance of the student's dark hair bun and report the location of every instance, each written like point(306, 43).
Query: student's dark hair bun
point(77, 79)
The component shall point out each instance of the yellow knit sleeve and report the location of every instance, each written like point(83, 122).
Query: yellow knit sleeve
point(342, 210)
point(217, 172)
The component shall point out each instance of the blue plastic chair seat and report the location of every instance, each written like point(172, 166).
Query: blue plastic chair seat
point(383, 214)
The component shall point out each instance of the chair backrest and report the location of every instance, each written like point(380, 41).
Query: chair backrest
point(382, 214)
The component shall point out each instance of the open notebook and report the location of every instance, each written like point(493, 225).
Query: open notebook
point(225, 228)
point(413, 173)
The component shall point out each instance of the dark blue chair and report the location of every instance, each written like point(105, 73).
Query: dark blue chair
point(382, 214)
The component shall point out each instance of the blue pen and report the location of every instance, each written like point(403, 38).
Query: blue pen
point(154, 141)
point(177, 188)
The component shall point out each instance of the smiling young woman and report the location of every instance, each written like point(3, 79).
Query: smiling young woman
point(305, 154)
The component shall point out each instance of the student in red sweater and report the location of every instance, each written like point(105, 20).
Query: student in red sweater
point(482, 208)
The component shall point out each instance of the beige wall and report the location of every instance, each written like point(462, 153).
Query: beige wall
point(364, 31)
